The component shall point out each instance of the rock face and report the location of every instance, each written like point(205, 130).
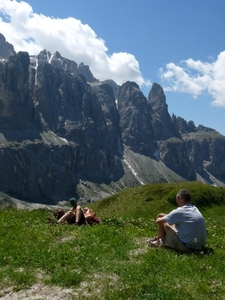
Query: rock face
point(63, 133)
point(59, 62)
point(6, 49)
point(135, 121)
point(160, 118)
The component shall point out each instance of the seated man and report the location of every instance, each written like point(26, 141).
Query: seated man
point(75, 215)
point(183, 229)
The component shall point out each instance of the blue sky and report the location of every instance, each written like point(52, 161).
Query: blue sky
point(178, 44)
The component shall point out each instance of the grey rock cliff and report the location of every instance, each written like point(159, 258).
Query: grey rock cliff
point(160, 118)
point(16, 104)
point(6, 49)
point(135, 119)
point(64, 133)
point(60, 62)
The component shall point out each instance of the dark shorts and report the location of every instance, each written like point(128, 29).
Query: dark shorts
point(82, 220)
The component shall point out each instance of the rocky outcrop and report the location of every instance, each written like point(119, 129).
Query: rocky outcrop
point(205, 151)
point(60, 62)
point(135, 119)
point(16, 104)
point(6, 49)
point(64, 133)
point(174, 155)
point(160, 118)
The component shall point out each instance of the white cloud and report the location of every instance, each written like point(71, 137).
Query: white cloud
point(28, 31)
point(196, 78)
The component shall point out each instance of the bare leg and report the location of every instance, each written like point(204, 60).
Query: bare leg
point(161, 230)
point(161, 233)
point(80, 219)
point(69, 215)
point(161, 236)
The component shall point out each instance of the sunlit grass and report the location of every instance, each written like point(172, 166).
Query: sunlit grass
point(112, 259)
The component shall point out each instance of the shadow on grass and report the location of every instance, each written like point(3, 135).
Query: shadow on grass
point(206, 250)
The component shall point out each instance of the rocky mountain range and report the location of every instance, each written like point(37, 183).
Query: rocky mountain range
point(64, 133)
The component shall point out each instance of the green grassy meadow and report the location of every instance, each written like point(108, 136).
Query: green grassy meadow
point(112, 260)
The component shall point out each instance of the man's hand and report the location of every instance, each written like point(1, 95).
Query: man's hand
point(161, 215)
point(160, 219)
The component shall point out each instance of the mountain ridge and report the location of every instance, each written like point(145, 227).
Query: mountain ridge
point(64, 133)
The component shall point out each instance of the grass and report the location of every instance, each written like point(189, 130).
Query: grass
point(112, 260)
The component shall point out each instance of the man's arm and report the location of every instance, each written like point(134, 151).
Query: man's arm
point(160, 215)
point(160, 219)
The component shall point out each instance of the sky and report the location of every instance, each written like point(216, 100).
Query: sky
point(179, 44)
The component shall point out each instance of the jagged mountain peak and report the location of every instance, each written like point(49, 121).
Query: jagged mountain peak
point(135, 122)
point(6, 49)
point(161, 119)
point(60, 62)
point(157, 98)
point(63, 132)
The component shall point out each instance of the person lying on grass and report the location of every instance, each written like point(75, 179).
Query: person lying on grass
point(183, 229)
point(76, 215)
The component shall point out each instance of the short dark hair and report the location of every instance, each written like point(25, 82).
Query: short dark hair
point(184, 194)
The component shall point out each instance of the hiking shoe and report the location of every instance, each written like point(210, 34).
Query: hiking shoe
point(155, 244)
point(153, 239)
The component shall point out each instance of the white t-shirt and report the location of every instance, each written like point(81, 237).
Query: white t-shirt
point(190, 225)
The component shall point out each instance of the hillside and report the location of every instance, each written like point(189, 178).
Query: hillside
point(40, 260)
